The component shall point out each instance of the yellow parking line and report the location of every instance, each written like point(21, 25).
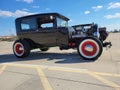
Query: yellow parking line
point(68, 70)
point(46, 84)
point(107, 82)
point(44, 80)
point(21, 65)
point(2, 69)
point(74, 70)
point(82, 71)
point(107, 74)
point(94, 74)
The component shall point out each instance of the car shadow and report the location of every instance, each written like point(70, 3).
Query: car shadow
point(59, 58)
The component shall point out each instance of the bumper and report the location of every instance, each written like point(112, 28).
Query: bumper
point(107, 44)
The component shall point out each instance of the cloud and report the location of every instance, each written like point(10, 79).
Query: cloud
point(5, 13)
point(17, 13)
point(96, 8)
point(87, 12)
point(116, 15)
point(35, 6)
point(25, 9)
point(114, 5)
point(27, 1)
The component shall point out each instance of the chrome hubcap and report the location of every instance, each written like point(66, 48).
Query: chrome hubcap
point(89, 48)
point(21, 48)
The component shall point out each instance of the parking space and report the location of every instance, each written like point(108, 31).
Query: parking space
point(21, 76)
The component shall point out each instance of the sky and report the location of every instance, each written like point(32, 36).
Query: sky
point(106, 13)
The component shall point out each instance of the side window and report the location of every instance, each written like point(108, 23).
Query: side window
point(28, 24)
point(47, 25)
point(45, 22)
point(25, 26)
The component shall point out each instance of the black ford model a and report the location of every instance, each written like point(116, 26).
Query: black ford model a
point(51, 29)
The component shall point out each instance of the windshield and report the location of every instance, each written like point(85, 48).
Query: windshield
point(61, 23)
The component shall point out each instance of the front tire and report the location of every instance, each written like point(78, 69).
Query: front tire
point(90, 48)
point(21, 48)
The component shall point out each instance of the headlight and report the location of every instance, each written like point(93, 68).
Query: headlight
point(96, 34)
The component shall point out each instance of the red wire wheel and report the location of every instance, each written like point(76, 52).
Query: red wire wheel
point(21, 48)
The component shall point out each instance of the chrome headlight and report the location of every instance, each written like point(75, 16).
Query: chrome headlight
point(96, 34)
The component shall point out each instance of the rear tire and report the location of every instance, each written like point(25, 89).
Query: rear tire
point(21, 48)
point(90, 48)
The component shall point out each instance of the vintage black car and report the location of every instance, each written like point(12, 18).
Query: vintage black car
point(51, 29)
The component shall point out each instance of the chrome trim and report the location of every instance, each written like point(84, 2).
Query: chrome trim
point(96, 34)
point(89, 48)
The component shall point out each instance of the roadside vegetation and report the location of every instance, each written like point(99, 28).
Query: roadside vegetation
point(115, 31)
point(8, 38)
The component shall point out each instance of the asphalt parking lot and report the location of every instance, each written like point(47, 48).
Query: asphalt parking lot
point(60, 70)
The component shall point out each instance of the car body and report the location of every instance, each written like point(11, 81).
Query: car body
point(51, 29)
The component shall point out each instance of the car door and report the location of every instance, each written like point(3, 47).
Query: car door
point(43, 36)
point(62, 36)
point(46, 36)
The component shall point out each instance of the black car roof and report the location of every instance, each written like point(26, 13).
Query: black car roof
point(43, 14)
